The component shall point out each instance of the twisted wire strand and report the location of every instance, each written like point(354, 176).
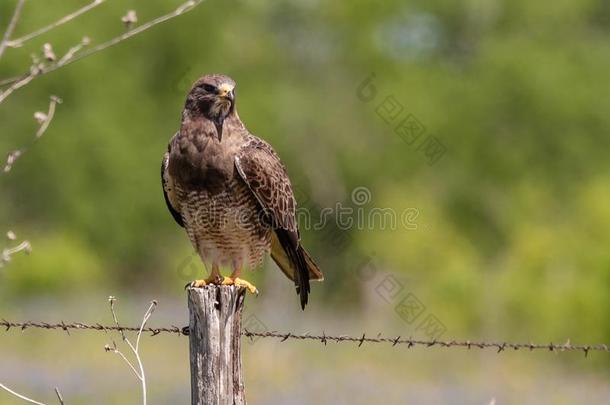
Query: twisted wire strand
point(323, 338)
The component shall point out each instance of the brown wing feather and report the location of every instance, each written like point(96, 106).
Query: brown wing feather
point(260, 167)
point(168, 188)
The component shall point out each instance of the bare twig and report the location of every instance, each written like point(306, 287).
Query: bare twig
point(43, 120)
point(11, 27)
point(147, 316)
point(74, 56)
point(10, 80)
point(21, 81)
point(37, 67)
point(31, 401)
point(8, 253)
point(114, 349)
point(16, 43)
point(72, 51)
point(134, 349)
point(26, 399)
point(59, 397)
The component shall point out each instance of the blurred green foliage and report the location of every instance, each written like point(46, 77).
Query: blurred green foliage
point(513, 234)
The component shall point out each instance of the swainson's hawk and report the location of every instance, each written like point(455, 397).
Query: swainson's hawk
point(230, 191)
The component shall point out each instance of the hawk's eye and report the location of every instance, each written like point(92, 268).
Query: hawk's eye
point(209, 88)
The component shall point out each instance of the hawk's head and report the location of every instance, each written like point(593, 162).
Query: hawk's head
point(213, 96)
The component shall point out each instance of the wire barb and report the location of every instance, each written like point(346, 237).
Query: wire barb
point(322, 338)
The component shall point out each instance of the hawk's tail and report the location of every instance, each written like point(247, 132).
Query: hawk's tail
point(295, 262)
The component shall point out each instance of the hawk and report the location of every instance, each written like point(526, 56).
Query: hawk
point(231, 193)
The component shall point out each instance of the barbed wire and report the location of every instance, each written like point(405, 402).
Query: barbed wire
point(323, 338)
point(67, 327)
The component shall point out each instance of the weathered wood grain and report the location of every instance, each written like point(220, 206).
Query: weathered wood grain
point(215, 345)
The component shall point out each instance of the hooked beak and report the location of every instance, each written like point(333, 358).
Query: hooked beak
point(226, 90)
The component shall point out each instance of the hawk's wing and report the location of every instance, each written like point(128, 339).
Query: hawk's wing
point(260, 167)
point(168, 187)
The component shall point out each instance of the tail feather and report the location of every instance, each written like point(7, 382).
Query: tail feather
point(314, 271)
point(295, 262)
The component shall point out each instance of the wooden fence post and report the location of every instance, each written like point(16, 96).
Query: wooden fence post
point(215, 314)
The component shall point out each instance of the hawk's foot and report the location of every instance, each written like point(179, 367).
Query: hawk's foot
point(213, 279)
point(238, 282)
point(195, 284)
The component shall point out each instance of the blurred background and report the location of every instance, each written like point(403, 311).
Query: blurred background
point(482, 125)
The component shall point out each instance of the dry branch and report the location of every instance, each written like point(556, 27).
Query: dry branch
point(139, 372)
point(30, 400)
point(20, 396)
point(43, 121)
point(75, 56)
point(11, 27)
point(8, 253)
point(59, 396)
point(16, 43)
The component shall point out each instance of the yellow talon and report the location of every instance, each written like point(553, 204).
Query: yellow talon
point(216, 280)
point(227, 281)
point(238, 282)
point(196, 284)
point(245, 284)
